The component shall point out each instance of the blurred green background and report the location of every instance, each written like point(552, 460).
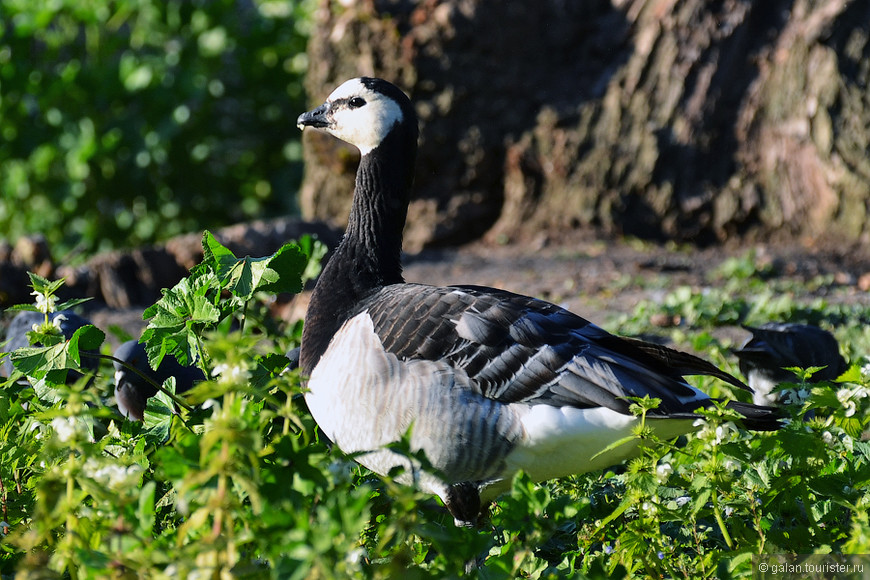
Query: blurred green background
point(126, 122)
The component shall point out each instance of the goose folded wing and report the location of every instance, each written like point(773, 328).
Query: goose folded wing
point(517, 349)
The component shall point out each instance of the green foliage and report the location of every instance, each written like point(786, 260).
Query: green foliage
point(238, 483)
point(131, 121)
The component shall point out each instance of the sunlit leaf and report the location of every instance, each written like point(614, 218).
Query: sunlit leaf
point(39, 360)
point(280, 272)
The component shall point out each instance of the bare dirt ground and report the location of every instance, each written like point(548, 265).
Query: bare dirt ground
point(602, 279)
point(599, 280)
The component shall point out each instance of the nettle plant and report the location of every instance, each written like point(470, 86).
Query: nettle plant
point(232, 479)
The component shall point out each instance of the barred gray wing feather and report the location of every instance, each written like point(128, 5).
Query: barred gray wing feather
point(517, 349)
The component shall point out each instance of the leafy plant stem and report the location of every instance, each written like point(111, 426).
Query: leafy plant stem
point(805, 496)
point(718, 514)
point(178, 400)
point(243, 317)
point(70, 515)
point(200, 355)
point(5, 512)
point(651, 570)
point(756, 519)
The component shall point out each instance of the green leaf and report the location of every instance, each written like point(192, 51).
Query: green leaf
point(43, 285)
point(701, 500)
point(23, 308)
point(314, 251)
point(159, 413)
point(184, 310)
point(72, 303)
point(88, 337)
point(615, 444)
point(37, 361)
point(145, 512)
point(46, 335)
point(626, 503)
point(851, 375)
point(178, 341)
point(216, 255)
point(280, 272)
point(267, 368)
point(289, 263)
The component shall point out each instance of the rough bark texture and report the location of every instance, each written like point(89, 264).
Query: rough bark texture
point(664, 119)
point(131, 278)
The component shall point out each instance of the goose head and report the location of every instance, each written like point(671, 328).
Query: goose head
point(362, 112)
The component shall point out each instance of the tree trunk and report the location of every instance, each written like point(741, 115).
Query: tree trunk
point(663, 119)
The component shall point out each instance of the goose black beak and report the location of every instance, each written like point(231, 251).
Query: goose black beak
point(317, 118)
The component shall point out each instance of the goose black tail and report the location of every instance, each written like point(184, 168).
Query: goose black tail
point(758, 417)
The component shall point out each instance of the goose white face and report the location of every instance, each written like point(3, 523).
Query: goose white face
point(355, 114)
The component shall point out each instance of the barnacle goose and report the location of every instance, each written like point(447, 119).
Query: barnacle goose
point(132, 391)
point(483, 381)
point(775, 346)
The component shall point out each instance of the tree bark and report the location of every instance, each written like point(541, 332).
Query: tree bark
point(663, 119)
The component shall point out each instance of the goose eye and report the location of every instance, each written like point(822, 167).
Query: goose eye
point(356, 102)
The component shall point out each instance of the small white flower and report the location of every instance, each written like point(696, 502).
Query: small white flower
point(69, 428)
point(183, 506)
point(664, 471)
point(44, 303)
point(341, 471)
point(64, 427)
point(723, 432)
point(230, 373)
point(682, 500)
point(845, 397)
point(729, 511)
point(847, 442)
point(732, 465)
point(355, 556)
point(794, 396)
point(112, 476)
point(58, 320)
point(828, 438)
point(649, 507)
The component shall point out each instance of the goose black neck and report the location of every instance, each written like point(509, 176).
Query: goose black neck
point(369, 255)
point(372, 245)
